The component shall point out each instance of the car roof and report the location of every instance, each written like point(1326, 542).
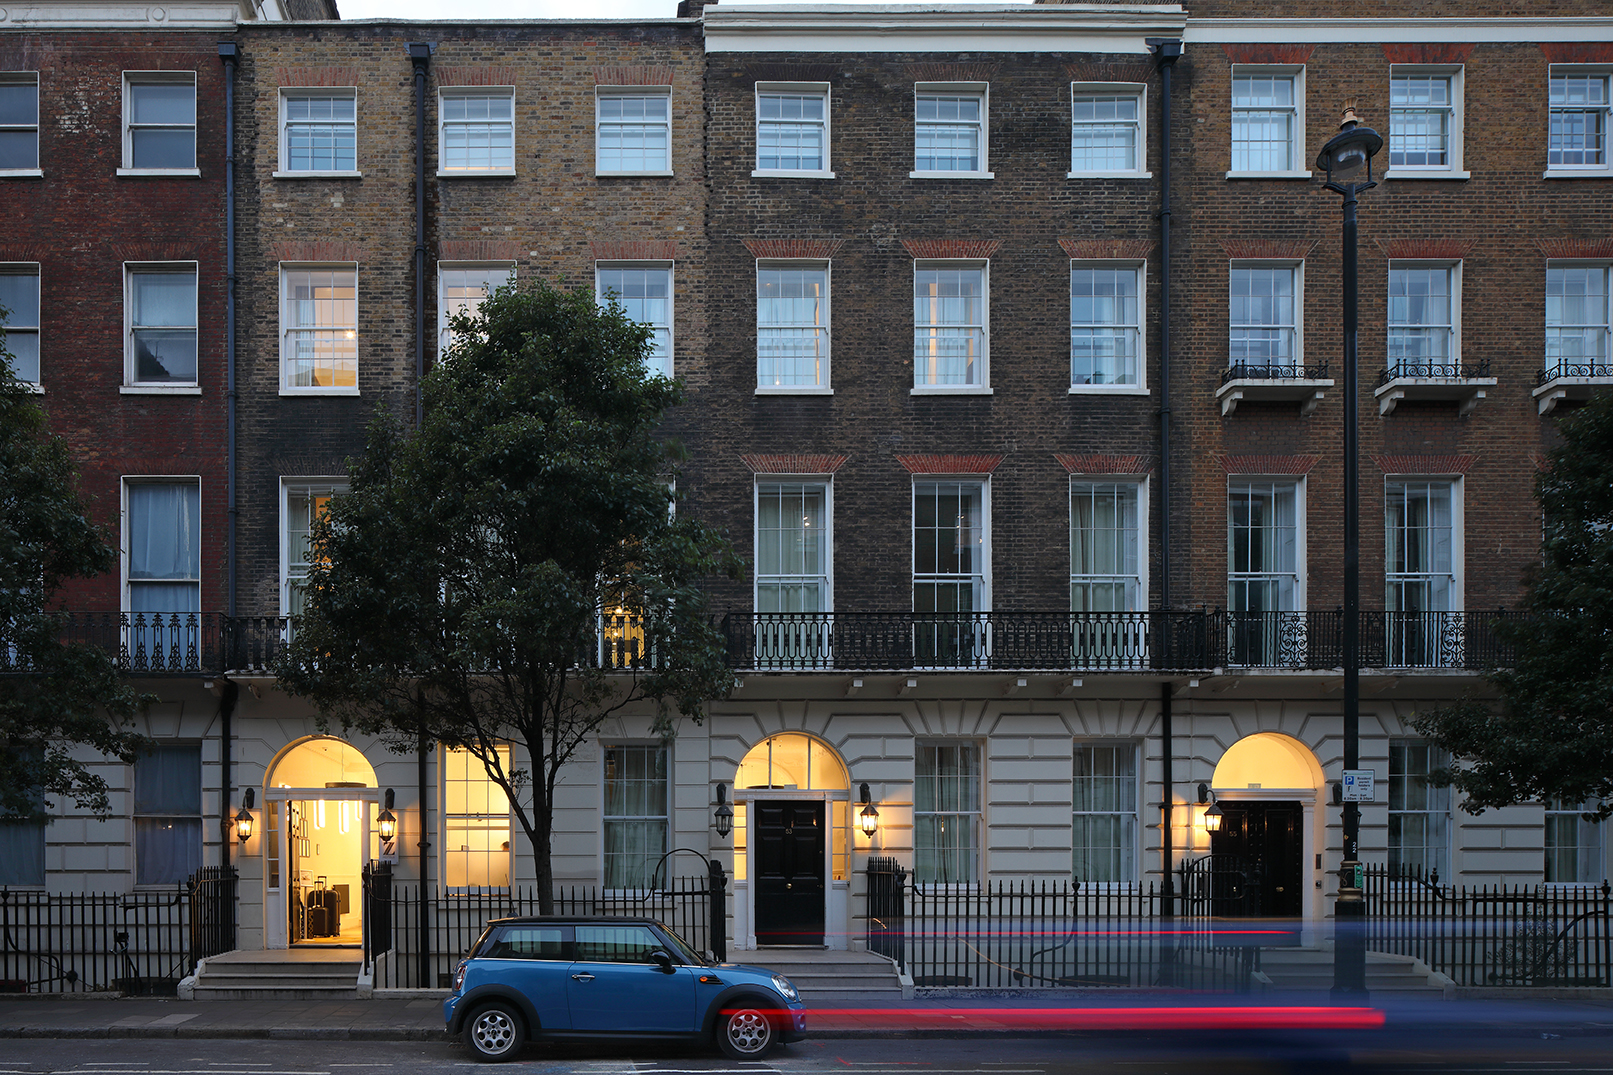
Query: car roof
point(573, 920)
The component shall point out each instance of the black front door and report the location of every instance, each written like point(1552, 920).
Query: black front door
point(788, 850)
point(1266, 836)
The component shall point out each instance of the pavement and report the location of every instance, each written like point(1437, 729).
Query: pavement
point(419, 1018)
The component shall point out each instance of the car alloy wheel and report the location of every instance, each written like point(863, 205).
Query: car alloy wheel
point(494, 1033)
point(747, 1033)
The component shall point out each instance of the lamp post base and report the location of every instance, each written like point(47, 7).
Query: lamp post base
point(1349, 940)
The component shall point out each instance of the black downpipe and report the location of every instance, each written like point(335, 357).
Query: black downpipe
point(229, 52)
point(424, 923)
point(226, 711)
point(420, 56)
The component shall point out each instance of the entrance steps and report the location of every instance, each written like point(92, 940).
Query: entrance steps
point(1310, 970)
point(288, 974)
point(820, 974)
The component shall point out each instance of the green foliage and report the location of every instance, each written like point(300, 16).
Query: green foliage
point(1552, 734)
point(54, 694)
point(455, 590)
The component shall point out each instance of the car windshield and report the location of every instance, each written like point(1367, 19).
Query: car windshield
point(683, 950)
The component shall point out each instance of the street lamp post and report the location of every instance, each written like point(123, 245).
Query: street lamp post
point(1347, 160)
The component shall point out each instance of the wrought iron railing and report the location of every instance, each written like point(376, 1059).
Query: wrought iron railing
point(1315, 639)
point(1243, 371)
point(1519, 935)
point(1451, 371)
point(1600, 369)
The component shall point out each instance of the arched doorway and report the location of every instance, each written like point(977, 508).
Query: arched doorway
point(792, 840)
point(1266, 785)
point(319, 795)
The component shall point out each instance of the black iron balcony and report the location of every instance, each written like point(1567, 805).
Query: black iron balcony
point(1452, 371)
point(1595, 369)
point(1243, 371)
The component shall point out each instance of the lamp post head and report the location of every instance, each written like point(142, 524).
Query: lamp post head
point(1350, 151)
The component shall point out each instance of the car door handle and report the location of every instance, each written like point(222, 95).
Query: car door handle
point(582, 977)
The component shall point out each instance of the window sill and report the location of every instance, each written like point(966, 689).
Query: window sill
point(632, 175)
point(160, 390)
point(33, 387)
point(1577, 173)
point(787, 174)
point(1426, 173)
point(160, 173)
point(949, 390)
point(318, 391)
point(1575, 389)
point(1109, 175)
point(22, 173)
point(793, 390)
point(1306, 392)
point(1465, 392)
point(1108, 390)
point(472, 173)
point(316, 175)
point(1269, 175)
point(952, 175)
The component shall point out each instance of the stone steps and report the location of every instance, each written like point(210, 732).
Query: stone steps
point(822, 975)
point(1311, 970)
point(269, 978)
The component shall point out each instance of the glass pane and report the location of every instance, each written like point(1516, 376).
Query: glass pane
point(19, 104)
point(170, 103)
point(19, 149)
point(169, 780)
point(19, 297)
point(164, 530)
point(155, 148)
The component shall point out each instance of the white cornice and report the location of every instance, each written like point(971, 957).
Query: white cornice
point(1466, 30)
point(100, 15)
point(833, 28)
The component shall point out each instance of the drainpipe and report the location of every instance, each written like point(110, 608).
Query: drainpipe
point(229, 52)
point(420, 56)
point(424, 923)
point(1166, 50)
point(226, 710)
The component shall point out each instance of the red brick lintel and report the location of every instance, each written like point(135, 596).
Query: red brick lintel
point(1577, 51)
point(174, 251)
point(1267, 464)
point(978, 249)
point(950, 464)
point(952, 72)
point(1440, 249)
point(316, 76)
point(478, 250)
point(317, 250)
point(816, 249)
point(642, 75)
point(475, 76)
point(1104, 464)
point(1442, 52)
point(1257, 249)
point(794, 464)
point(1424, 464)
point(635, 250)
point(1109, 72)
point(1269, 54)
point(1108, 249)
point(1576, 248)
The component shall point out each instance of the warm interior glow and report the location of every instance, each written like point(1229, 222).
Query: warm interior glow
point(1269, 760)
point(320, 762)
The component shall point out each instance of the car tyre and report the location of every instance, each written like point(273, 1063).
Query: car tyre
point(495, 1032)
point(746, 1032)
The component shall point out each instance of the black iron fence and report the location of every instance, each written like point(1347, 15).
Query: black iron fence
point(454, 920)
point(1519, 935)
point(1598, 368)
point(136, 942)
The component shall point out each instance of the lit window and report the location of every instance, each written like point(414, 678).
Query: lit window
point(460, 290)
point(305, 503)
point(1579, 121)
point(1419, 810)
point(792, 325)
point(1267, 122)
point(949, 130)
point(946, 813)
point(318, 132)
point(319, 329)
point(1106, 130)
point(159, 129)
point(949, 325)
point(636, 814)
point(476, 131)
point(476, 822)
point(1105, 325)
point(19, 319)
point(161, 310)
point(633, 132)
point(19, 122)
point(792, 130)
point(645, 294)
point(1104, 815)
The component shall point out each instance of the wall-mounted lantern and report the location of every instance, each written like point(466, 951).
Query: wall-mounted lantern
point(1212, 816)
point(243, 817)
point(387, 823)
point(724, 817)
point(869, 818)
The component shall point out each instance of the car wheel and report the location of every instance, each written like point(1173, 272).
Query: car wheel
point(746, 1033)
point(495, 1032)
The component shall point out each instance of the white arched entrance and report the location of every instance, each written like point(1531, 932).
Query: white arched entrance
point(319, 798)
point(792, 843)
point(1268, 787)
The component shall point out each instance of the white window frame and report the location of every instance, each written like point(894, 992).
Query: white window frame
point(444, 125)
point(445, 311)
point(1296, 133)
point(983, 481)
point(795, 89)
point(1298, 483)
point(1436, 759)
point(126, 520)
point(198, 819)
point(1139, 329)
point(1455, 111)
point(448, 850)
point(665, 747)
point(1603, 169)
point(824, 383)
point(1590, 844)
point(977, 816)
point(285, 328)
point(1135, 90)
point(1589, 328)
point(1453, 353)
point(1139, 492)
point(32, 329)
point(981, 385)
point(23, 78)
point(668, 268)
point(1458, 556)
point(818, 482)
point(132, 79)
point(290, 487)
point(602, 93)
point(1296, 329)
point(284, 170)
point(131, 385)
point(980, 92)
point(1131, 825)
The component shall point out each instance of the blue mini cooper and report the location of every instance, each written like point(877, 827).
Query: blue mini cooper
point(620, 978)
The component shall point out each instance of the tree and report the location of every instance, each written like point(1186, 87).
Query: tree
point(456, 591)
point(1551, 737)
point(54, 695)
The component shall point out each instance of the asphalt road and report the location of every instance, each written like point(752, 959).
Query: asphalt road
point(1179, 1052)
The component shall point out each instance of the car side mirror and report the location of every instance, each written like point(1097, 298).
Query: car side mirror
point(661, 959)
